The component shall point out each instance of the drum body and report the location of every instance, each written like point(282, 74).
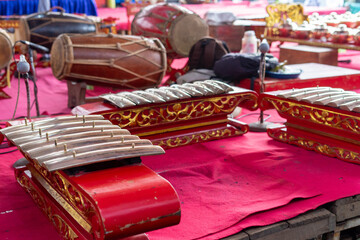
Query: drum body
point(128, 62)
point(43, 28)
point(5, 49)
point(177, 27)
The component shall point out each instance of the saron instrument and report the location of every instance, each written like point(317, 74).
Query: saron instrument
point(177, 27)
point(321, 119)
point(86, 175)
point(178, 115)
point(121, 61)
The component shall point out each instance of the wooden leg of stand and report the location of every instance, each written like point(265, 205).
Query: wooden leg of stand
point(76, 93)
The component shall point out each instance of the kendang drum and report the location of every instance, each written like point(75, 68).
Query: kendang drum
point(43, 28)
point(5, 49)
point(177, 27)
point(121, 61)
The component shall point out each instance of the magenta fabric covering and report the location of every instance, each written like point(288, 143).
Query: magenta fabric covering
point(228, 185)
point(224, 186)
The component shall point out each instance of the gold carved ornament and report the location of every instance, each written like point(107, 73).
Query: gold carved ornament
point(197, 138)
point(61, 226)
point(279, 13)
point(317, 115)
point(325, 149)
point(179, 111)
point(73, 196)
point(64, 228)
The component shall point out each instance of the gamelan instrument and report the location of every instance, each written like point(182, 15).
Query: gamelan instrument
point(43, 28)
point(321, 119)
point(6, 45)
point(177, 27)
point(121, 61)
point(178, 115)
point(86, 175)
point(9, 67)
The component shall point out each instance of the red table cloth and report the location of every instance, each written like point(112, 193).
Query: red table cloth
point(224, 186)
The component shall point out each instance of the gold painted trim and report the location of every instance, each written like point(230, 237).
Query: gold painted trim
point(312, 107)
point(186, 110)
point(177, 141)
point(316, 114)
point(325, 134)
point(320, 147)
point(181, 128)
point(57, 197)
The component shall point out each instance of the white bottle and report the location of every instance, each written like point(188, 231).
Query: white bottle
point(249, 43)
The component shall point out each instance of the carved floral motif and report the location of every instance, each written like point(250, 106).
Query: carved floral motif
point(178, 111)
point(317, 115)
point(199, 137)
point(308, 144)
point(61, 226)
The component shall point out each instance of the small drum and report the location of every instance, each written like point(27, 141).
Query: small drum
point(5, 49)
point(129, 62)
point(43, 28)
point(177, 27)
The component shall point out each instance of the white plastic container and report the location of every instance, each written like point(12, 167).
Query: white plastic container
point(249, 43)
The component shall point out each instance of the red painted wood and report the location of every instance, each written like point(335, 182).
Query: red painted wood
point(314, 74)
point(178, 119)
point(128, 201)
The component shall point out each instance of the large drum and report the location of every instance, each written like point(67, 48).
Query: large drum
point(177, 27)
point(6, 45)
point(121, 61)
point(43, 28)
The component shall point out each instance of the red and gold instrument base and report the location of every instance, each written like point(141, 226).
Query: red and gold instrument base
point(330, 131)
point(181, 122)
point(199, 135)
point(80, 208)
point(66, 227)
point(327, 146)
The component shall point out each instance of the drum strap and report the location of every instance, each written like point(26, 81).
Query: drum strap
point(204, 52)
point(210, 54)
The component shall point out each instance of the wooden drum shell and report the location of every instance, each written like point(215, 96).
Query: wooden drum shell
point(44, 28)
point(177, 27)
point(128, 62)
point(5, 48)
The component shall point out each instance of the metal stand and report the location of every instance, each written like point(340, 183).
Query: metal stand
point(31, 58)
point(260, 126)
point(28, 107)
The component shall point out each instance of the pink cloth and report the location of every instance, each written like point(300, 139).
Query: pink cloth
point(224, 186)
point(52, 95)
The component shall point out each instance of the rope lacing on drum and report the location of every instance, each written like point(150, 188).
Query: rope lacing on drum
point(118, 46)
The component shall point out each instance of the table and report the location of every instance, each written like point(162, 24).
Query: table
point(241, 9)
point(315, 43)
point(224, 186)
point(314, 74)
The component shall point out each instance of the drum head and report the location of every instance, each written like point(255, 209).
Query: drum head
point(186, 31)
point(58, 56)
point(5, 49)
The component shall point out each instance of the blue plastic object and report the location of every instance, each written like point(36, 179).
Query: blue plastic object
point(295, 73)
